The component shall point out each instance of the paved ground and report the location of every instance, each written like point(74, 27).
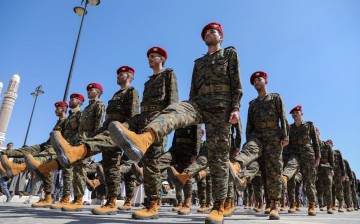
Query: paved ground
point(16, 212)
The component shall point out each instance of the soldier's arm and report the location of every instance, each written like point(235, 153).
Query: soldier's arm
point(284, 125)
point(238, 129)
point(198, 139)
point(234, 75)
point(173, 89)
point(249, 123)
point(342, 165)
point(99, 116)
point(331, 158)
point(134, 102)
point(315, 141)
point(193, 89)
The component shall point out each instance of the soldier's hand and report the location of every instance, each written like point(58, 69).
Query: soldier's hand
point(332, 173)
point(317, 162)
point(234, 116)
point(283, 143)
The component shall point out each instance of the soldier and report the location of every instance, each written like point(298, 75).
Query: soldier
point(214, 100)
point(90, 122)
point(14, 169)
point(304, 150)
point(185, 147)
point(339, 177)
point(325, 174)
point(353, 187)
point(159, 92)
point(266, 135)
point(347, 183)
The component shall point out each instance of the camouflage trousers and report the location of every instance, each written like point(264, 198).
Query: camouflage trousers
point(79, 177)
point(293, 188)
point(205, 191)
point(347, 193)
point(339, 187)
point(200, 164)
point(217, 132)
point(45, 152)
point(324, 186)
point(231, 191)
point(248, 195)
point(305, 162)
point(354, 198)
point(48, 183)
point(272, 153)
point(128, 178)
point(258, 188)
point(67, 175)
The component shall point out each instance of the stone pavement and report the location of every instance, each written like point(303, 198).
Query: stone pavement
point(15, 212)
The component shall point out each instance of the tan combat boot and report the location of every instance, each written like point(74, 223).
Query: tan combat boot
point(185, 210)
point(45, 203)
point(178, 178)
point(321, 208)
point(77, 206)
point(41, 170)
point(150, 212)
point(341, 207)
point(178, 206)
point(298, 204)
point(292, 208)
point(274, 213)
point(92, 184)
point(258, 207)
point(311, 209)
point(2, 170)
point(12, 169)
point(134, 145)
point(216, 215)
point(58, 205)
point(228, 208)
point(234, 168)
point(108, 209)
point(267, 208)
point(66, 153)
point(203, 208)
point(349, 209)
point(126, 205)
point(330, 210)
point(282, 208)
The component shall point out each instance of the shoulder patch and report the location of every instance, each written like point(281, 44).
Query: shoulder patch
point(169, 69)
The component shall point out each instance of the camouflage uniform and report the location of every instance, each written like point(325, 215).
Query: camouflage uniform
point(235, 136)
point(294, 187)
point(186, 143)
point(263, 136)
point(353, 187)
point(123, 105)
point(248, 195)
point(325, 177)
point(346, 184)
point(339, 172)
point(303, 149)
point(215, 91)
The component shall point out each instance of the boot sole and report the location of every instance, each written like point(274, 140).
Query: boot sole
point(32, 167)
point(104, 213)
point(213, 222)
point(122, 141)
point(274, 218)
point(61, 156)
point(144, 218)
point(72, 210)
point(173, 177)
point(45, 206)
point(7, 169)
point(55, 208)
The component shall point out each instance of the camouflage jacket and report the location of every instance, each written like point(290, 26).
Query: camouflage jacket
point(327, 155)
point(91, 119)
point(71, 124)
point(267, 119)
point(339, 165)
point(216, 78)
point(187, 141)
point(348, 170)
point(123, 105)
point(59, 126)
point(303, 138)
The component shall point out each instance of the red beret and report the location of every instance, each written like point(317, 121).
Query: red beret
point(214, 26)
point(330, 141)
point(94, 85)
point(202, 131)
point(77, 96)
point(158, 50)
point(258, 74)
point(125, 69)
point(297, 108)
point(61, 104)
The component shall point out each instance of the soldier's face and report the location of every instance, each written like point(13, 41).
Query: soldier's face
point(92, 93)
point(9, 146)
point(121, 78)
point(155, 59)
point(259, 83)
point(59, 111)
point(73, 103)
point(212, 37)
point(297, 114)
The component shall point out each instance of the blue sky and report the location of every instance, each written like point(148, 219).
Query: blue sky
point(310, 50)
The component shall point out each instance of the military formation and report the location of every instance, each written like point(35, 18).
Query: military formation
point(276, 163)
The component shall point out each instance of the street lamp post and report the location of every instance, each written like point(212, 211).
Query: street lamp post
point(38, 91)
point(80, 11)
